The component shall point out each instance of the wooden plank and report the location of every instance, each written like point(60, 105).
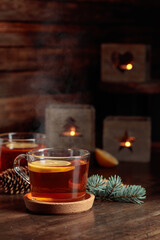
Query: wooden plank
point(21, 27)
point(42, 82)
point(152, 87)
point(69, 12)
point(40, 35)
point(31, 82)
point(134, 2)
point(46, 11)
point(15, 59)
point(75, 36)
point(68, 29)
point(106, 220)
point(21, 113)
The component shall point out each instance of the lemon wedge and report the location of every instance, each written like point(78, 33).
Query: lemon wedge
point(21, 145)
point(105, 159)
point(50, 166)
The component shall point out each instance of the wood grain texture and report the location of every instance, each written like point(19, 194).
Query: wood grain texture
point(30, 82)
point(73, 11)
point(151, 87)
point(51, 47)
point(43, 35)
point(73, 35)
point(106, 220)
point(55, 59)
point(25, 112)
point(37, 82)
point(45, 11)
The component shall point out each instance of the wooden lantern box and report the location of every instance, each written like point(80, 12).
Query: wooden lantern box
point(127, 138)
point(71, 126)
point(125, 63)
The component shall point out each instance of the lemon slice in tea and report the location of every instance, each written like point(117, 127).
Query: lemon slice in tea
point(21, 145)
point(50, 166)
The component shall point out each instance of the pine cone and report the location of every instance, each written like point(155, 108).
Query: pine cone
point(12, 183)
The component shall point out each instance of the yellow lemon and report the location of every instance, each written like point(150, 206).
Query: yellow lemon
point(50, 166)
point(105, 159)
point(23, 145)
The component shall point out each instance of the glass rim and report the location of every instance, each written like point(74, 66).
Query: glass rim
point(85, 154)
point(5, 136)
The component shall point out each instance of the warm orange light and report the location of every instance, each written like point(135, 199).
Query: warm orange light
point(128, 144)
point(72, 131)
point(129, 66)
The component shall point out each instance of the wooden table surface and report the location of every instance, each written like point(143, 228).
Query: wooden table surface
point(106, 220)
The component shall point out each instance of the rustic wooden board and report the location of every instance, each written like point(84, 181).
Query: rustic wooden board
point(30, 82)
point(13, 34)
point(73, 11)
point(21, 113)
point(45, 11)
point(61, 27)
point(53, 59)
point(43, 35)
point(106, 220)
point(151, 87)
point(41, 82)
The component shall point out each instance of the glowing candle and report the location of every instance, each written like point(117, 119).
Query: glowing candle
point(128, 66)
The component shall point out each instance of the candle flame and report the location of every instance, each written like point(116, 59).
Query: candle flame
point(128, 144)
point(128, 66)
point(72, 131)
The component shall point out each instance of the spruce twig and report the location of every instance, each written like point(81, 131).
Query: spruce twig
point(114, 190)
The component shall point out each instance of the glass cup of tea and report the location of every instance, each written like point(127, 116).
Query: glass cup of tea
point(13, 144)
point(56, 175)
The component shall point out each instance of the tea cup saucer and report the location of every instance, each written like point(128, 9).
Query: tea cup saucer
point(59, 207)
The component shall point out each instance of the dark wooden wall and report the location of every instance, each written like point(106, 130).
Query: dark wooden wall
point(50, 51)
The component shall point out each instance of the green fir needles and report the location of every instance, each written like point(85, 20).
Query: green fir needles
point(114, 190)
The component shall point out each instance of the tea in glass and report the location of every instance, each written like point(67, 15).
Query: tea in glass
point(57, 175)
point(13, 144)
point(58, 180)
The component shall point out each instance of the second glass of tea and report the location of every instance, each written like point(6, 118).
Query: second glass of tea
point(56, 175)
point(13, 144)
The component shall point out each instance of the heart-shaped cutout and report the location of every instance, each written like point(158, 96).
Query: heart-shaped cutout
point(123, 62)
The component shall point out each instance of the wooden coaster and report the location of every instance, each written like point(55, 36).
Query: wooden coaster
point(59, 207)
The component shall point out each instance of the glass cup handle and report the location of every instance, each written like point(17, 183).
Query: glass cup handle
point(18, 169)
